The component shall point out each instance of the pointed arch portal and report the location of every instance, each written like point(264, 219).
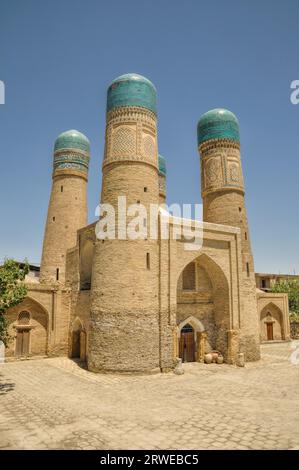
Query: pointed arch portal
point(203, 309)
point(271, 320)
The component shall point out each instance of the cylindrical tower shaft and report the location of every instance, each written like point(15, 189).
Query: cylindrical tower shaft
point(67, 210)
point(162, 179)
point(222, 188)
point(124, 327)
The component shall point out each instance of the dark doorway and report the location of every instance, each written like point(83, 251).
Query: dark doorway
point(187, 345)
point(269, 331)
point(76, 343)
point(22, 343)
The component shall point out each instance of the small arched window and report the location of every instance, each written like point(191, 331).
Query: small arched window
point(24, 318)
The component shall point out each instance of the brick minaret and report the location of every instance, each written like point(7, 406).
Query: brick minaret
point(222, 188)
point(124, 327)
point(67, 210)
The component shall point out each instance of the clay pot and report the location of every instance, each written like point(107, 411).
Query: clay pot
point(215, 355)
point(219, 359)
point(208, 358)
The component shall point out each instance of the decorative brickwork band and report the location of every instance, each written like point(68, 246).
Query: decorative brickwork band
point(72, 160)
point(220, 166)
point(131, 136)
point(71, 154)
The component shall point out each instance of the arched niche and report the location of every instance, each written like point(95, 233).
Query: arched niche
point(28, 327)
point(77, 340)
point(208, 303)
point(271, 323)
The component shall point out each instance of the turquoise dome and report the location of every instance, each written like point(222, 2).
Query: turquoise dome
point(132, 90)
point(162, 165)
point(72, 139)
point(218, 124)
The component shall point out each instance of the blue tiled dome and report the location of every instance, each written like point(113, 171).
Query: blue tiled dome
point(218, 124)
point(132, 90)
point(72, 139)
point(162, 165)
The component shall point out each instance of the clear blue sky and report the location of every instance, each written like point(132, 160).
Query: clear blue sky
point(58, 57)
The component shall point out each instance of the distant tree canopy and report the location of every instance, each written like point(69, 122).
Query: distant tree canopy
point(290, 287)
point(12, 291)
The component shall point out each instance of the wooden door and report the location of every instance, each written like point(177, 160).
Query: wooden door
point(186, 347)
point(270, 331)
point(22, 343)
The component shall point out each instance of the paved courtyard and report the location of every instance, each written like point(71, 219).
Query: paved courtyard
point(55, 404)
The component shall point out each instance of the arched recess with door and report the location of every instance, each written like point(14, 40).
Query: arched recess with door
point(187, 334)
point(202, 307)
point(271, 323)
point(77, 340)
point(28, 327)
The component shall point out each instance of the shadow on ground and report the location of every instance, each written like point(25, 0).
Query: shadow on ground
point(79, 362)
point(5, 386)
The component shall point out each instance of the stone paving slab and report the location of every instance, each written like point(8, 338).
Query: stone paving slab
point(57, 404)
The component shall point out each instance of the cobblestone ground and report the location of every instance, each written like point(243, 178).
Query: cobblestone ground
point(56, 404)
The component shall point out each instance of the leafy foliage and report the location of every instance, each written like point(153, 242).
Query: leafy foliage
point(12, 291)
point(290, 287)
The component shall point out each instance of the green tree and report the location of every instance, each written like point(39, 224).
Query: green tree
point(12, 291)
point(290, 287)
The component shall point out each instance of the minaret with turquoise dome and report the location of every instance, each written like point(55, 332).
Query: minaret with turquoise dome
point(223, 194)
point(222, 184)
point(124, 322)
point(67, 211)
